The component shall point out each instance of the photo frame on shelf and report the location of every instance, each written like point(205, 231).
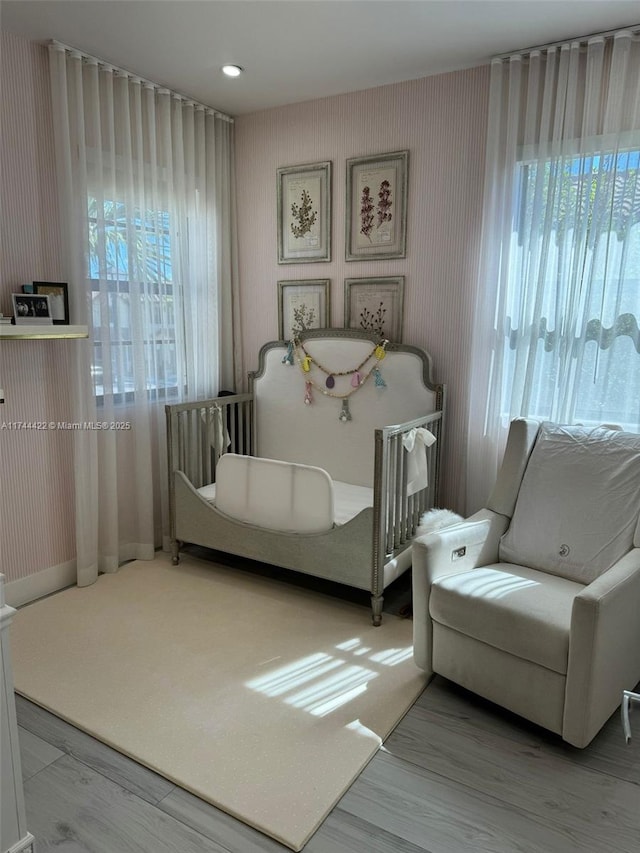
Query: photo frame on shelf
point(58, 293)
point(302, 305)
point(31, 309)
point(375, 305)
point(304, 213)
point(376, 211)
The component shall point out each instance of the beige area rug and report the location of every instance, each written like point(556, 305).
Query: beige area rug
point(264, 699)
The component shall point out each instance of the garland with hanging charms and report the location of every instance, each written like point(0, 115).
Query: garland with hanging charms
point(296, 350)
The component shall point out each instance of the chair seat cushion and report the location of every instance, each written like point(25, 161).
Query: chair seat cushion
point(521, 611)
point(578, 504)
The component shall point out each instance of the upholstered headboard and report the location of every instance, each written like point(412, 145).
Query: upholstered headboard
point(287, 429)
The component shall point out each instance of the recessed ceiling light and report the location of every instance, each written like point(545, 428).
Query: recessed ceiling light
point(232, 70)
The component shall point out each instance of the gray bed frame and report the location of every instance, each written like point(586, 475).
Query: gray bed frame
point(373, 548)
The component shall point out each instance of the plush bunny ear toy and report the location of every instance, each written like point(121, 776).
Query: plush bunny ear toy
point(436, 519)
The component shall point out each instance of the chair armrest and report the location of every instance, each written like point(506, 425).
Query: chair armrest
point(450, 550)
point(604, 649)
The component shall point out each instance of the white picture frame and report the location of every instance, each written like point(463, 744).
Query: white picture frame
point(31, 309)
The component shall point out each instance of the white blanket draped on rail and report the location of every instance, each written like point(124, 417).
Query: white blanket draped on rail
point(415, 442)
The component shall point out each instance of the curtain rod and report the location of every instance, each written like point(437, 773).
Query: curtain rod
point(103, 62)
point(634, 29)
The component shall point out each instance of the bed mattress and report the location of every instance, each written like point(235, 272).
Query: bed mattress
point(348, 500)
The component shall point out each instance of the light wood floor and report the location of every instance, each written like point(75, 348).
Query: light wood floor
point(457, 775)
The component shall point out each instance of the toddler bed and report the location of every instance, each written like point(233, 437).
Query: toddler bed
point(325, 466)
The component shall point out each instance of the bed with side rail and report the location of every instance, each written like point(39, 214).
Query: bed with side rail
point(325, 466)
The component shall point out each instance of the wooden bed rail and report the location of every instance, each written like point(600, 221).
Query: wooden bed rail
point(199, 433)
point(396, 516)
point(197, 436)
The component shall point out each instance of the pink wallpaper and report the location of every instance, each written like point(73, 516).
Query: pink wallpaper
point(441, 120)
point(36, 479)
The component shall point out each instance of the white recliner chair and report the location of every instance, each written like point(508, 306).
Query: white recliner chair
point(534, 602)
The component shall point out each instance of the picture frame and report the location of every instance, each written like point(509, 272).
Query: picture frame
point(302, 305)
point(58, 291)
point(375, 305)
point(376, 207)
point(31, 309)
point(304, 213)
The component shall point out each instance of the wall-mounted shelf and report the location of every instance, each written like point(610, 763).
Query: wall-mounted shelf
point(44, 332)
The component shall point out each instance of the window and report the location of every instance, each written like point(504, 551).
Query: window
point(571, 347)
point(133, 300)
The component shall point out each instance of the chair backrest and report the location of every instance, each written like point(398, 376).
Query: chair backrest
point(520, 440)
point(578, 503)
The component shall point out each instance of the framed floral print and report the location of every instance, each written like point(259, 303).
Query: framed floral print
point(375, 305)
point(304, 213)
point(302, 305)
point(376, 216)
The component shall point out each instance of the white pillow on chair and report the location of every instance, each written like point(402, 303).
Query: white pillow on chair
point(578, 504)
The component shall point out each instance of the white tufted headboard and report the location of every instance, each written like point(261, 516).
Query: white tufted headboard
point(287, 429)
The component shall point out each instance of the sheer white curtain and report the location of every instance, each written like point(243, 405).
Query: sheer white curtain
point(558, 294)
point(147, 208)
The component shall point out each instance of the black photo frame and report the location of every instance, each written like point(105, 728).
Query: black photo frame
point(58, 292)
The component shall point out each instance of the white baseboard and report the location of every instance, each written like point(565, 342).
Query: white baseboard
point(24, 590)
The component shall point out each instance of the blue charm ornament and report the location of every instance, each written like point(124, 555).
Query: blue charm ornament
point(288, 358)
point(377, 378)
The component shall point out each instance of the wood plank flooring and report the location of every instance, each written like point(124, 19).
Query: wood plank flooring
point(458, 774)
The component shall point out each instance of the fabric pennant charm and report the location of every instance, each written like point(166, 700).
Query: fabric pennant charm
point(380, 351)
point(288, 358)
point(379, 381)
point(345, 414)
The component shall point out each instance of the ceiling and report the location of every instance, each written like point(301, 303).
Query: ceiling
point(297, 50)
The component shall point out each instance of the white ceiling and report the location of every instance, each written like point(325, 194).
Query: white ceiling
point(297, 50)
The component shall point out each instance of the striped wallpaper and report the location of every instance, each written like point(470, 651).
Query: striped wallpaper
point(441, 120)
point(36, 479)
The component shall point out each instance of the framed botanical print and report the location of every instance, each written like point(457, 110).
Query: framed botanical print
point(376, 215)
point(375, 305)
point(302, 305)
point(304, 213)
